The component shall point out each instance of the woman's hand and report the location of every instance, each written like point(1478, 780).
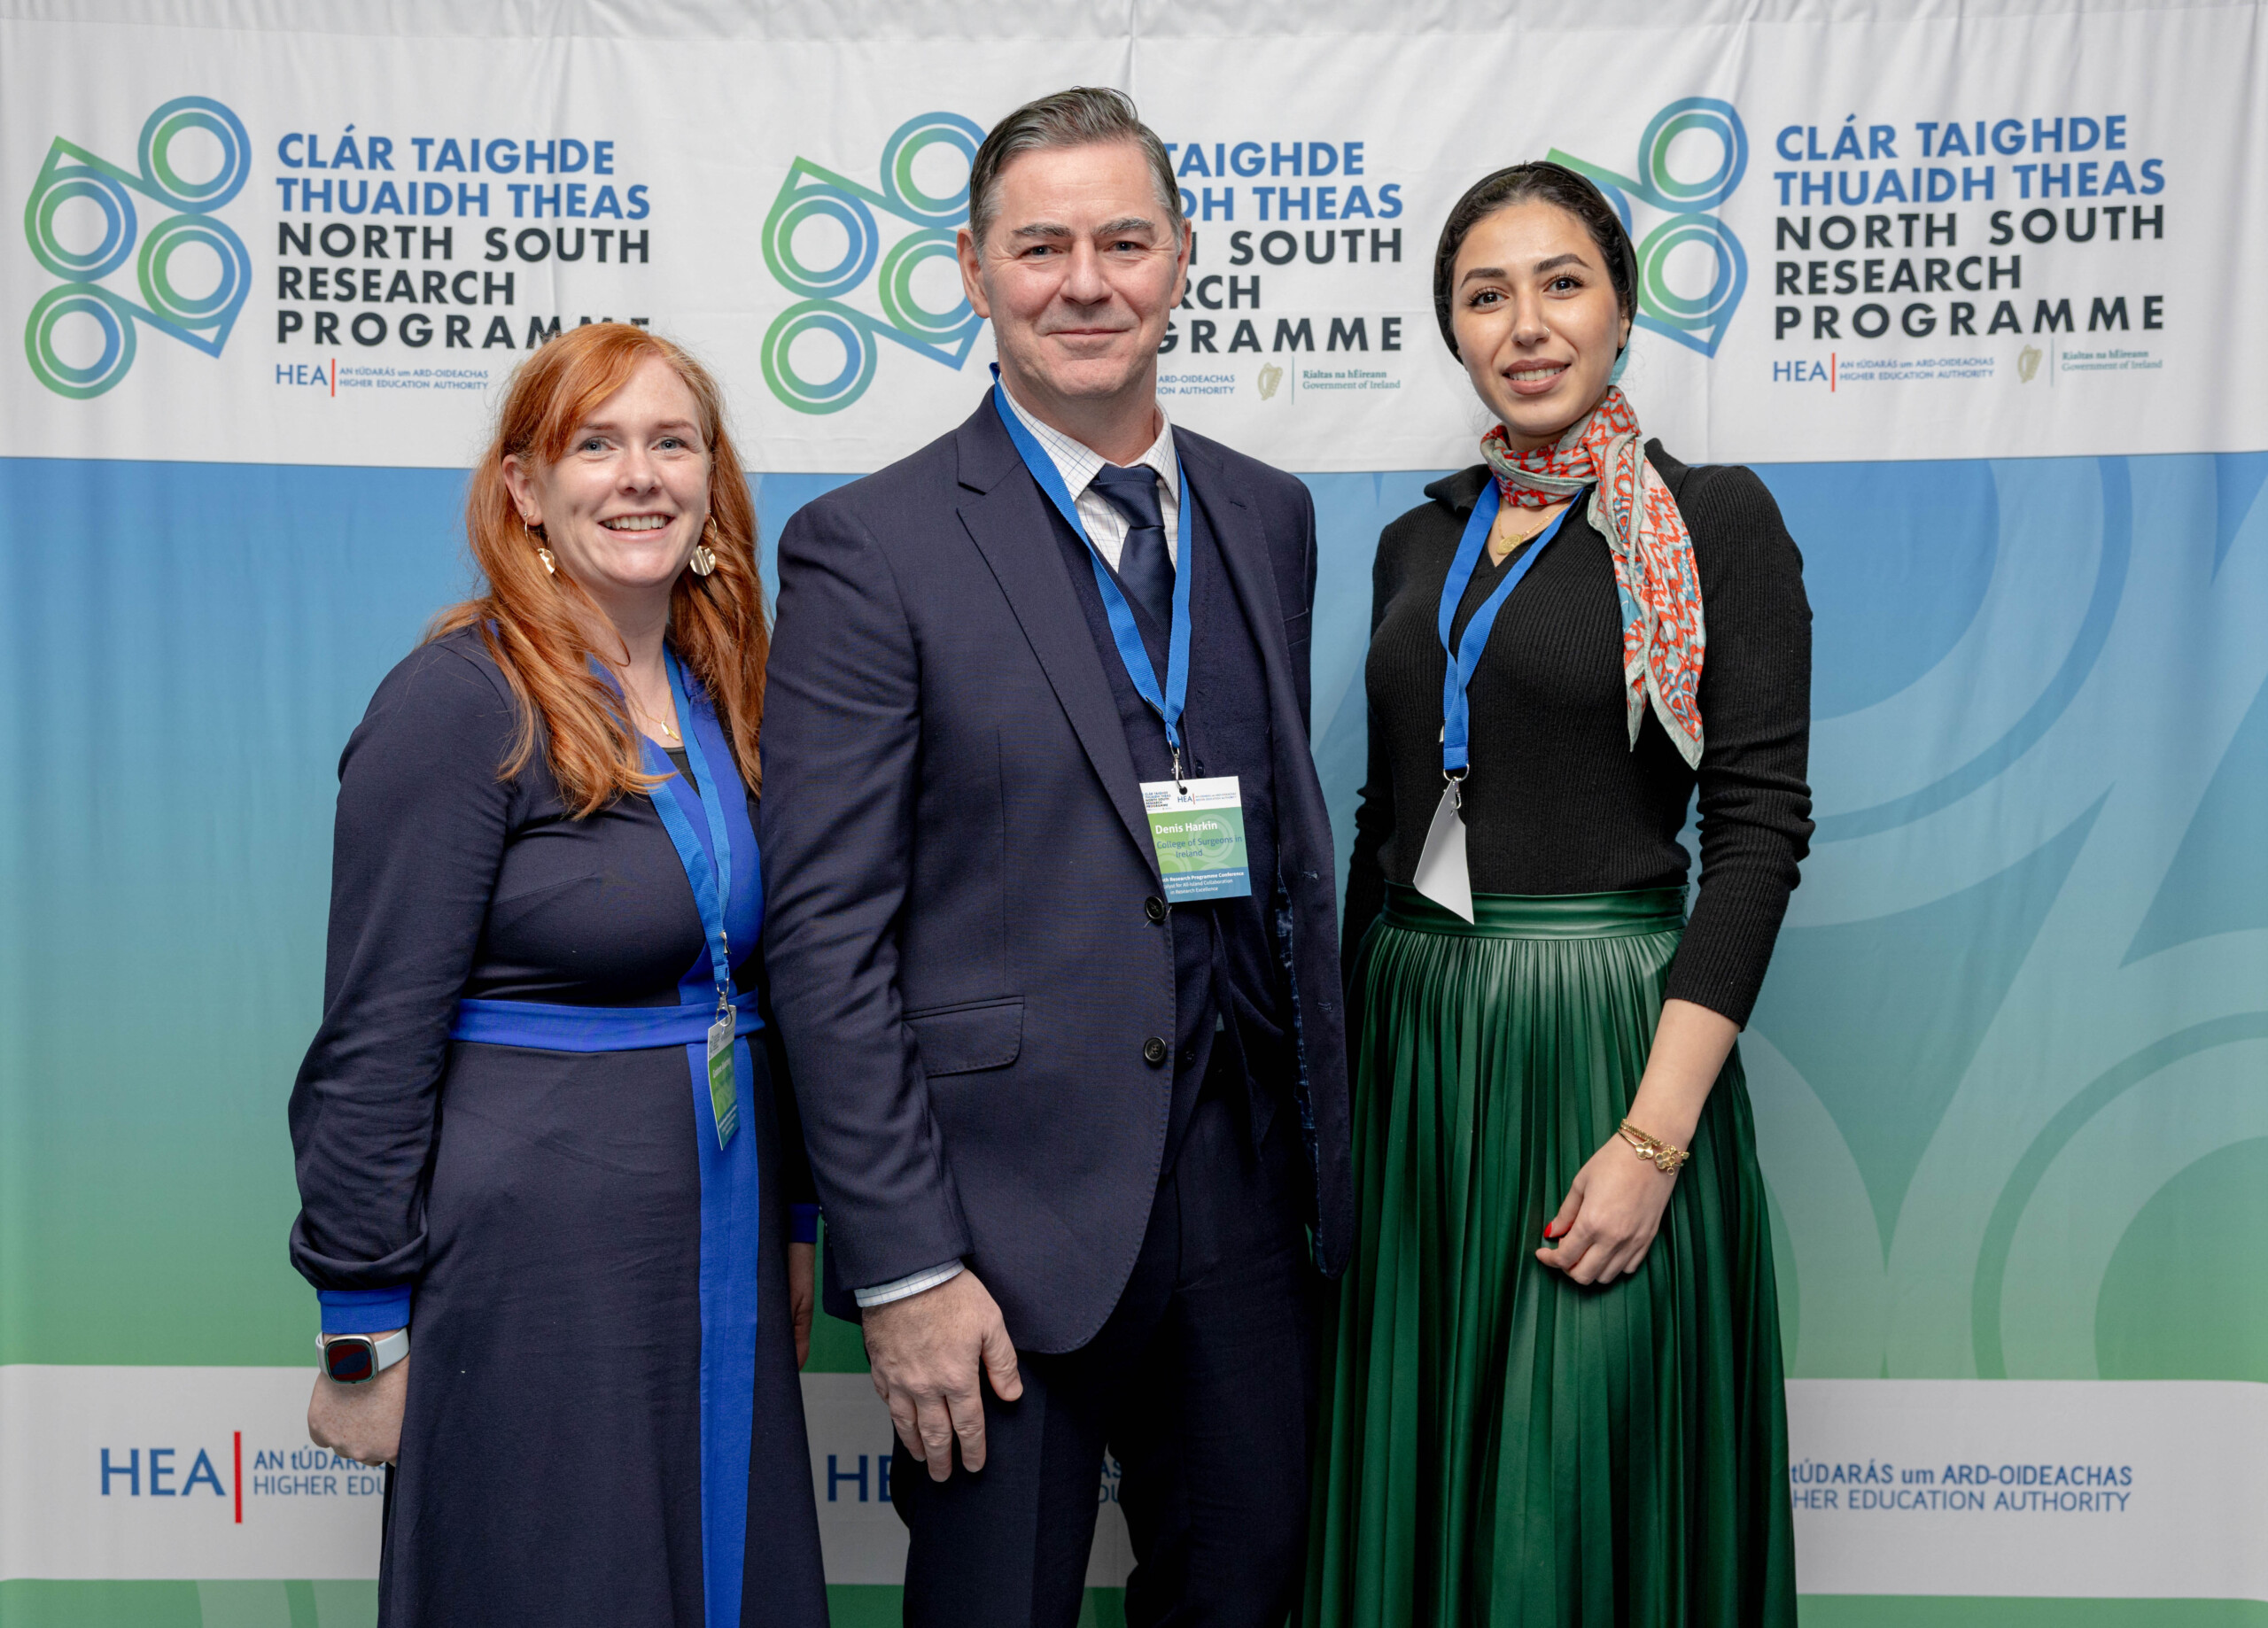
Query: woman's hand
point(803, 1267)
point(1614, 1208)
point(1610, 1215)
point(363, 1422)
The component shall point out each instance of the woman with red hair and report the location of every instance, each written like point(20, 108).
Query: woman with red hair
point(539, 1128)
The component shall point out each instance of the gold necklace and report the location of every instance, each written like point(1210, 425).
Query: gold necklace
point(1514, 539)
point(659, 723)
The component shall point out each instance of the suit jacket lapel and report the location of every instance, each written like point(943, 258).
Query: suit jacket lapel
point(1008, 518)
point(1244, 558)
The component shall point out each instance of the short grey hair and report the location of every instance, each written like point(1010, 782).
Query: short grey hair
point(1083, 116)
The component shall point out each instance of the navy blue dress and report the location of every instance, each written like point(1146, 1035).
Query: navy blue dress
point(543, 1208)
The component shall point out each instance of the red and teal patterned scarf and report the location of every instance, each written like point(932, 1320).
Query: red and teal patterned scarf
point(1654, 575)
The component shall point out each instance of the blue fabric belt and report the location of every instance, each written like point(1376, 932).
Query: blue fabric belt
point(543, 1028)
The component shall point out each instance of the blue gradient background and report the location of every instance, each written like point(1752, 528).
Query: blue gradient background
point(2008, 1066)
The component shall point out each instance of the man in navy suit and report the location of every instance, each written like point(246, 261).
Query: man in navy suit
point(1078, 1118)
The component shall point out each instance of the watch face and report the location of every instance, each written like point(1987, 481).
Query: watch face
point(350, 1358)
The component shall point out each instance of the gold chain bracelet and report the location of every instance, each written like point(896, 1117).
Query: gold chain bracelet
point(1653, 1150)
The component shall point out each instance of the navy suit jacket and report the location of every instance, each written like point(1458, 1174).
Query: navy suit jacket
point(965, 965)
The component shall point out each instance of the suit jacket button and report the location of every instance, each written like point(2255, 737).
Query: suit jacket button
point(1154, 1051)
point(1154, 908)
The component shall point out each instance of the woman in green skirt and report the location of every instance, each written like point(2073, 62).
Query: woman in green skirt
point(1554, 1396)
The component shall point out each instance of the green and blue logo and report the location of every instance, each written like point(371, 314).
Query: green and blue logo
point(814, 193)
point(1696, 321)
point(74, 176)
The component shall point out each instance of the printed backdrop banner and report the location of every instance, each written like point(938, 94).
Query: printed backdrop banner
point(1958, 238)
point(1975, 289)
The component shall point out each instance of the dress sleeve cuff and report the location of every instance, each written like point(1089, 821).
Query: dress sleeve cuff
point(802, 1223)
point(882, 1294)
point(364, 1311)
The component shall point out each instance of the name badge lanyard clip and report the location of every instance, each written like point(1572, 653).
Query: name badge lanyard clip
point(1140, 672)
point(713, 888)
point(1443, 875)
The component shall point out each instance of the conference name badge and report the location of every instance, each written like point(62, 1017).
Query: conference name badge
point(1197, 829)
point(723, 1096)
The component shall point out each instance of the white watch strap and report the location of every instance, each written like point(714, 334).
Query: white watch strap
point(385, 1352)
point(392, 1349)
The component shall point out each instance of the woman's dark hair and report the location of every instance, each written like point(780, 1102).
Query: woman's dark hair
point(1551, 183)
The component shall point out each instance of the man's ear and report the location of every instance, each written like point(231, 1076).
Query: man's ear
point(972, 273)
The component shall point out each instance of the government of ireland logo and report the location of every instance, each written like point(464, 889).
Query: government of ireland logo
point(82, 224)
point(838, 304)
point(1696, 321)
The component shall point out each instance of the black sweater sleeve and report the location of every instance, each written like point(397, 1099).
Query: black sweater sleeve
point(1755, 700)
point(421, 830)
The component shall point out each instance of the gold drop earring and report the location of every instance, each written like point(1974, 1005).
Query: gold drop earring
point(550, 567)
point(704, 558)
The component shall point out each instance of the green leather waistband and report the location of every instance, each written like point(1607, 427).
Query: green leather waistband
point(1558, 915)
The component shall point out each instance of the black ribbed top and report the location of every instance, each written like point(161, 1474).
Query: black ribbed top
point(1557, 799)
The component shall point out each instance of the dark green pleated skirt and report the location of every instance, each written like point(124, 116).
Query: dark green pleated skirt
point(1500, 1446)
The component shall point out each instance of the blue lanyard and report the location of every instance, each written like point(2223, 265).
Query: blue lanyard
point(1457, 714)
point(1139, 672)
point(710, 897)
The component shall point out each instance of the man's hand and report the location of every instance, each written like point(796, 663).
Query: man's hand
point(930, 1354)
point(802, 1268)
point(363, 1422)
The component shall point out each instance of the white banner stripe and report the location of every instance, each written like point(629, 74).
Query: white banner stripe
point(1942, 236)
point(2072, 1489)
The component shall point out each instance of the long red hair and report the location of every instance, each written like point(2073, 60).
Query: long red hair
point(535, 623)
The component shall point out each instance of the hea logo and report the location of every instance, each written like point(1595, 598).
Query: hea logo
point(812, 193)
point(303, 1471)
point(1697, 322)
point(71, 179)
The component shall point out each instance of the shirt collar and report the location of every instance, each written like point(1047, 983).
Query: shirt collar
point(1078, 463)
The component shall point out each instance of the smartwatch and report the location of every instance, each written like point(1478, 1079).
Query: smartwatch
point(357, 1358)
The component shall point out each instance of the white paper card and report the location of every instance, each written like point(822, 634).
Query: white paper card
point(1441, 876)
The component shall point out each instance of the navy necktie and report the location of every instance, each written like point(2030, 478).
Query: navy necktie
point(1144, 568)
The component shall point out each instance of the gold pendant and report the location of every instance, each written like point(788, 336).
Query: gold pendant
point(704, 561)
